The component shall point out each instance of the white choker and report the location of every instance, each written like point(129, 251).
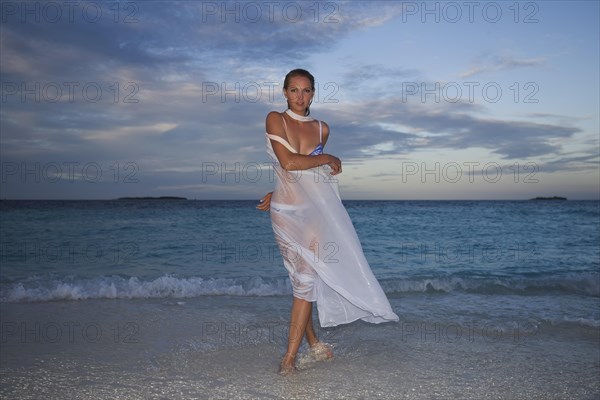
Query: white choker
point(298, 117)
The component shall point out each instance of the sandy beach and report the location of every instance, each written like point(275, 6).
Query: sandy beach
point(218, 349)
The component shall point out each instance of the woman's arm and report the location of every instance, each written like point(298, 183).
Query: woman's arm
point(265, 203)
point(292, 161)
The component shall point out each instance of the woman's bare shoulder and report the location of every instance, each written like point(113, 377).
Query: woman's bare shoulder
point(274, 124)
point(274, 114)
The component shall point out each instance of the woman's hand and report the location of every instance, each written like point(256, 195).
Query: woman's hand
point(335, 164)
point(265, 202)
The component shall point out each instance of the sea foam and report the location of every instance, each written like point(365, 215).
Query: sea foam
point(169, 286)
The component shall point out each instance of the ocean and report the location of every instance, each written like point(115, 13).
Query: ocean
point(177, 299)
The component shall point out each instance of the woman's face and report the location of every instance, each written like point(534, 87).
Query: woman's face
point(299, 94)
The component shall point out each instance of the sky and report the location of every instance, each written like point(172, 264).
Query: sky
point(425, 100)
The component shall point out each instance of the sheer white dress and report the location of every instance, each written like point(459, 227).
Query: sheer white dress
point(319, 245)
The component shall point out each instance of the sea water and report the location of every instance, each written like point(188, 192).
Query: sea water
point(189, 299)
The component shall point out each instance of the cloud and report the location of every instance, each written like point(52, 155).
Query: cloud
point(587, 161)
point(448, 126)
point(495, 63)
point(172, 128)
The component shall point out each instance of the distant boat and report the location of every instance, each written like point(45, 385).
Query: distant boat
point(153, 198)
point(550, 198)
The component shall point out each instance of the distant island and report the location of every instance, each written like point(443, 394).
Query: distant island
point(153, 198)
point(550, 198)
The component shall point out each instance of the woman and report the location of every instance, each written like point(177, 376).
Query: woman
point(317, 240)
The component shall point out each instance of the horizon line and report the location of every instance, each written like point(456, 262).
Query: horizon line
point(195, 199)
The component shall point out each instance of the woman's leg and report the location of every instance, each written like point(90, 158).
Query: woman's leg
point(319, 351)
point(300, 315)
point(311, 336)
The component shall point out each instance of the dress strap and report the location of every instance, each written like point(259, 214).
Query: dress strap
point(320, 132)
point(284, 125)
point(282, 141)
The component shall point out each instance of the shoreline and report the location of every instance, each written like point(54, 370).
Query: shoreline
point(210, 348)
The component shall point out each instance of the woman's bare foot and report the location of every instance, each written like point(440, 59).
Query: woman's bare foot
point(288, 364)
point(321, 351)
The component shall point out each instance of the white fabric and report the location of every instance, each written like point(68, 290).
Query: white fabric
point(297, 117)
point(320, 248)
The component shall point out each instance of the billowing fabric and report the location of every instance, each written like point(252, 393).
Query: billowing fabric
point(320, 248)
